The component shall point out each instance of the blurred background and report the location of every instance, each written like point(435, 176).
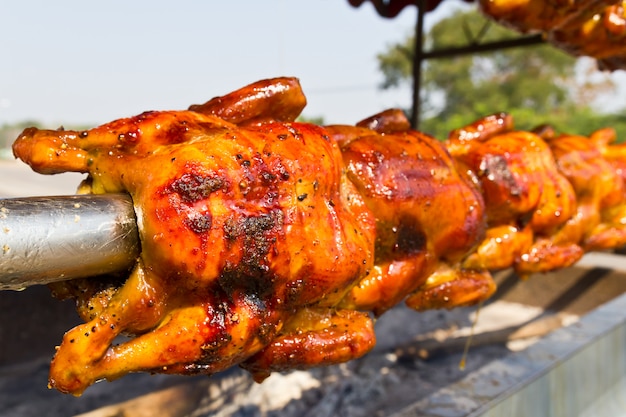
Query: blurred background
point(77, 63)
point(80, 64)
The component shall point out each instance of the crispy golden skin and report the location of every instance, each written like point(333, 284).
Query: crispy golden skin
point(549, 198)
point(601, 212)
point(595, 28)
point(422, 234)
point(240, 228)
point(527, 198)
point(271, 244)
point(530, 16)
point(602, 36)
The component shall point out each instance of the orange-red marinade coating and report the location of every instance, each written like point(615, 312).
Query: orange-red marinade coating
point(270, 244)
point(240, 227)
point(428, 214)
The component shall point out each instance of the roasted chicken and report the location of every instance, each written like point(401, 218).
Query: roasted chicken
point(531, 16)
point(527, 199)
point(549, 197)
point(595, 28)
point(272, 244)
point(250, 231)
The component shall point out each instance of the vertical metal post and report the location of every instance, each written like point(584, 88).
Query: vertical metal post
point(417, 61)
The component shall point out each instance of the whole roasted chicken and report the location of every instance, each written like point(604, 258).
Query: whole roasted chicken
point(529, 16)
point(595, 28)
point(549, 198)
point(272, 244)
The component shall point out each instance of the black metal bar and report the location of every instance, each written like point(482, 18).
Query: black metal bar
point(484, 47)
point(420, 55)
point(417, 62)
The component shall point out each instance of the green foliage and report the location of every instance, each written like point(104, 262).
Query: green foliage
point(536, 84)
point(319, 120)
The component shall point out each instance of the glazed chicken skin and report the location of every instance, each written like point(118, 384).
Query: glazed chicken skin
point(527, 198)
point(602, 36)
point(613, 153)
point(550, 198)
point(529, 16)
point(407, 178)
point(273, 244)
point(249, 236)
point(601, 212)
point(258, 248)
point(595, 28)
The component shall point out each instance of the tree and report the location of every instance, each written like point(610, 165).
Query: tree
point(536, 84)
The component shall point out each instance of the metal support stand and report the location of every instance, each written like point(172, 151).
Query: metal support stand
point(419, 55)
point(417, 62)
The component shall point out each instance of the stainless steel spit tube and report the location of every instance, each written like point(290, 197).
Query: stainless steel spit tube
point(48, 239)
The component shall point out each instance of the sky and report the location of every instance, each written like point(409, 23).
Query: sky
point(80, 62)
point(89, 62)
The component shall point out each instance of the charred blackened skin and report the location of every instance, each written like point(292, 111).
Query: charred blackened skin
point(195, 187)
point(411, 239)
point(267, 177)
point(219, 324)
point(399, 240)
point(258, 235)
point(200, 222)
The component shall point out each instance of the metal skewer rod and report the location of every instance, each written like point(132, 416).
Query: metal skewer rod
point(49, 239)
